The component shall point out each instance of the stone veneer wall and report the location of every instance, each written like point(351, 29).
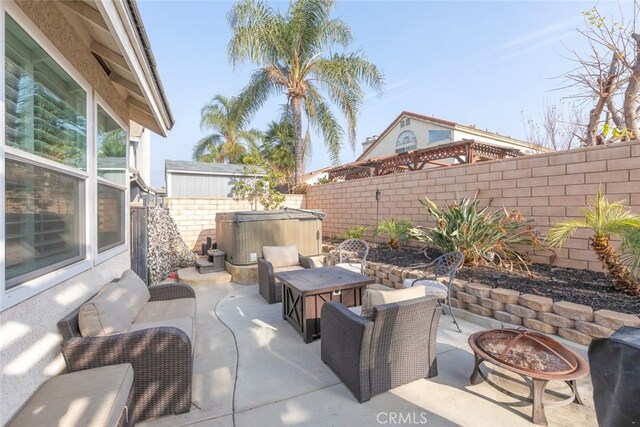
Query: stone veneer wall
point(575, 322)
point(196, 216)
point(546, 188)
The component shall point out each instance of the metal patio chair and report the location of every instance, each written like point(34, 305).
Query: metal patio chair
point(352, 255)
point(446, 266)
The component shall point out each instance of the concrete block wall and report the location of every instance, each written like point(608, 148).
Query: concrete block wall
point(546, 187)
point(575, 322)
point(196, 216)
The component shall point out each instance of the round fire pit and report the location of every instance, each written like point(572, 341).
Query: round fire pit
point(529, 354)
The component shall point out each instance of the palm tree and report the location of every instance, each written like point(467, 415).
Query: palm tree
point(278, 145)
point(288, 49)
point(606, 220)
point(226, 117)
point(396, 229)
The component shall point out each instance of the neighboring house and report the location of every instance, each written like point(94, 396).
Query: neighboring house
point(411, 131)
point(197, 179)
point(75, 74)
point(313, 177)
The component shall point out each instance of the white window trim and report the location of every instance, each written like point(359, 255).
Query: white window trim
point(24, 291)
point(101, 257)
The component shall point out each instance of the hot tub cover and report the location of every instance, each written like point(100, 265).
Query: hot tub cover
point(287, 213)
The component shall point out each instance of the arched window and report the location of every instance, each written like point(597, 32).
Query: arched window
point(406, 141)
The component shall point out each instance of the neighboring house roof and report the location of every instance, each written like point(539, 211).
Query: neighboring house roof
point(120, 45)
point(452, 125)
point(313, 174)
point(186, 166)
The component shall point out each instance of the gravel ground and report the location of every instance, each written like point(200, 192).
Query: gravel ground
point(562, 284)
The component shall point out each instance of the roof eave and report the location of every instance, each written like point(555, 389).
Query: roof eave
point(123, 19)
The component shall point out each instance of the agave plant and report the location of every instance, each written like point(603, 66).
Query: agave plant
point(396, 229)
point(482, 236)
point(606, 220)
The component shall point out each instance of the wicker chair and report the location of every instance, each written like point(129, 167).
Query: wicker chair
point(349, 251)
point(372, 356)
point(268, 286)
point(161, 357)
point(446, 266)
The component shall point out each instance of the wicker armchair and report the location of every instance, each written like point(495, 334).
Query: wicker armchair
point(372, 356)
point(268, 286)
point(161, 357)
point(351, 255)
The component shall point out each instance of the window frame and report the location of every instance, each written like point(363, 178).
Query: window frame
point(109, 253)
point(30, 288)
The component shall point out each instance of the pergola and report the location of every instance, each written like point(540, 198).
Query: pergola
point(459, 152)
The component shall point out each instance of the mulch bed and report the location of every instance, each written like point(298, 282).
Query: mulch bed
point(562, 284)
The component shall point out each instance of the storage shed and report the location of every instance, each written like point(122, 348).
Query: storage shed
point(197, 179)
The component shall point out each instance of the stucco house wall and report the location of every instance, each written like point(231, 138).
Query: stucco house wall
point(386, 145)
point(29, 338)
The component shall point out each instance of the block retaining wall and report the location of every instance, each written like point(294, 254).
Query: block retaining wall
point(575, 322)
point(547, 188)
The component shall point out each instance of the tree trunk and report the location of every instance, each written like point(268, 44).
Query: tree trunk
point(619, 272)
point(296, 108)
point(631, 94)
point(606, 89)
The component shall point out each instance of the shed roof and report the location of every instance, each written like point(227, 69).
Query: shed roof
point(187, 166)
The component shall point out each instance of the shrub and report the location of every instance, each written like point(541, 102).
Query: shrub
point(482, 236)
point(606, 220)
point(355, 232)
point(396, 229)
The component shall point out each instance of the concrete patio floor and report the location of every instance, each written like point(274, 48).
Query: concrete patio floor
point(253, 369)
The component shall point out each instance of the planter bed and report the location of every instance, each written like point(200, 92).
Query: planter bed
point(576, 304)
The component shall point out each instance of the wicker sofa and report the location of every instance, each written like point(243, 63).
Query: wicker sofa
point(277, 259)
point(395, 347)
point(157, 341)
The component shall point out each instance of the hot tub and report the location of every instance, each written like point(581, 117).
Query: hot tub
point(241, 235)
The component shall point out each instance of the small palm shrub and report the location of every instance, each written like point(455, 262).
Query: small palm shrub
point(482, 235)
point(355, 232)
point(397, 230)
point(606, 220)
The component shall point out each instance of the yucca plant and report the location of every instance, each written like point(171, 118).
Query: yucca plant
point(355, 232)
point(396, 229)
point(482, 235)
point(606, 220)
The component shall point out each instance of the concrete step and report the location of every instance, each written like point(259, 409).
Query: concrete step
point(205, 266)
point(191, 276)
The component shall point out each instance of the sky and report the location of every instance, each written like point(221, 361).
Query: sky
point(479, 63)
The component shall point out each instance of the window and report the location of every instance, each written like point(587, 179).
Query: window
point(439, 135)
point(45, 108)
point(406, 141)
point(45, 116)
point(112, 171)
point(42, 225)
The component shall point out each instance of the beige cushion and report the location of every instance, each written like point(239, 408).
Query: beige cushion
point(281, 256)
point(157, 311)
point(185, 324)
point(376, 297)
point(136, 295)
point(356, 268)
point(431, 287)
point(93, 397)
point(105, 314)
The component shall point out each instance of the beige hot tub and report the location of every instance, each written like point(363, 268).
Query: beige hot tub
point(241, 235)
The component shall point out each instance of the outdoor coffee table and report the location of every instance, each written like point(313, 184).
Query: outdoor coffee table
point(304, 292)
point(531, 355)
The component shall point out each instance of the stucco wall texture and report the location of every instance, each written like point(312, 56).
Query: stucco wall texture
point(545, 187)
point(30, 344)
point(196, 216)
point(48, 18)
point(29, 347)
